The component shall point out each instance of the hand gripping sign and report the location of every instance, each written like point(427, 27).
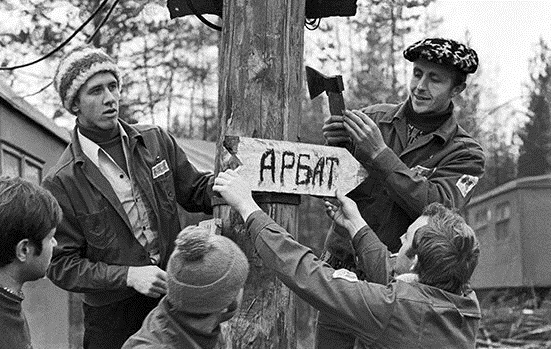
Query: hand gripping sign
point(294, 168)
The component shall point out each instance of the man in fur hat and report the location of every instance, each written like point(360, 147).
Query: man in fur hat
point(119, 186)
point(415, 152)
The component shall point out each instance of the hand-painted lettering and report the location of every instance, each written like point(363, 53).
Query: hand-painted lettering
point(306, 169)
point(270, 154)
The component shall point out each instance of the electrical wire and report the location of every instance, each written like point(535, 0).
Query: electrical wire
point(96, 11)
point(89, 40)
point(312, 23)
point(201, 18)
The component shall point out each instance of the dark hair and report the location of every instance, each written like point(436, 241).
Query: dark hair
point(27, 211)
point(459, 77)
point(447, 250)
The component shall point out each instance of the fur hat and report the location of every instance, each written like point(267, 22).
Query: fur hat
point(444, 51)
point(205, 272)
point(76, 67)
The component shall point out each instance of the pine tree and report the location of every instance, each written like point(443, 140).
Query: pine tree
point(535, 151)
point(160, 58)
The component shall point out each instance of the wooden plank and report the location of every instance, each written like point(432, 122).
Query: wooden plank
point(295, 168)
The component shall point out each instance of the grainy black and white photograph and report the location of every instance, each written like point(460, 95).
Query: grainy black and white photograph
point(273, 174)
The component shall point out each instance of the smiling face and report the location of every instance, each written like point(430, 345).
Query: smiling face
point(403, 262)
point(97, 102)
point(432, 87)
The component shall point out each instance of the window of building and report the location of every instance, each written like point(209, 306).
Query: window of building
point(503, 215)
point(482, 217)
point(16, 163)
point(481, 234)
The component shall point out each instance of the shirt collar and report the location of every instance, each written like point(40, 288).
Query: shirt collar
point(92, 149)
point(445, 132)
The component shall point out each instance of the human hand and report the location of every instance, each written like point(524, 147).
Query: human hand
point(236, 191)
point(346, 214)
point(364, 132)
point(149, 280)
point(334, 132)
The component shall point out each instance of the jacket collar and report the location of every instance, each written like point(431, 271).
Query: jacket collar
point(466, 304)
point(397, 115)
point(202, 329)
point(132, 133)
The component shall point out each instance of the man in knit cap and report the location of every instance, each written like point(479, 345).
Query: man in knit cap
point(118, 186)
point(205, 276)
point(415, 152)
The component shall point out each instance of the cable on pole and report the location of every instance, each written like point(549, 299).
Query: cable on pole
point(201, 18)
point(96, 11)
point(89, 40)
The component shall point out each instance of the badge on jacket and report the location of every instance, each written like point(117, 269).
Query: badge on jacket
point(422, 171)
point(466, 183)
point(160, 169)
point(345, 274)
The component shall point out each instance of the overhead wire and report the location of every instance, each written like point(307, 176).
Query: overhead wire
point(89, 40)
point(96, 11)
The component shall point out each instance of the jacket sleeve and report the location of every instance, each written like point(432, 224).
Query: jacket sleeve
point(373, 256)
point(193, 187)
point(69, 268)
point(363, 307)
point(450, 184)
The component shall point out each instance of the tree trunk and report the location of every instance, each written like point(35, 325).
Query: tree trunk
point(261, 64)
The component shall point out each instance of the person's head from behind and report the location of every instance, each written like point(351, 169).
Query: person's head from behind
point(440, 248)
point(440, 69)
point(29, 216)
point(206, 273)
point(88, 83)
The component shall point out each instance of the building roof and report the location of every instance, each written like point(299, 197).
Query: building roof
point(18, 103)
point(543, 181)
point(200, 153)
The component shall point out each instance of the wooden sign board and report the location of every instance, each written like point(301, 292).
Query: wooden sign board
point(295, 168)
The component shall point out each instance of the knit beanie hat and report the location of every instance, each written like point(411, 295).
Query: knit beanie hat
point(76, 67)
point(205, 272)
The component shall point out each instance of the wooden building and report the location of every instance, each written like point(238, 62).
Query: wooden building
point(512, 223)
point(30, 144)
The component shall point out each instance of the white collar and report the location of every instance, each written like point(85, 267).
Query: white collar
point(91, 149)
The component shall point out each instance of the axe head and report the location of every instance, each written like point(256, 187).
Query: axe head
point(318, 83)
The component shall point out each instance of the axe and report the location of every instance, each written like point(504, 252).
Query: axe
point(332, 85)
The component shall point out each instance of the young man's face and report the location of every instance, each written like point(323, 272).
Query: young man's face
point(403, 262)
point(37, 264)
point(97, 102)
point(432, 87)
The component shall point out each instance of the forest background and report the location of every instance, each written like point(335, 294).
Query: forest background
point(171, 75)
point(170, 72)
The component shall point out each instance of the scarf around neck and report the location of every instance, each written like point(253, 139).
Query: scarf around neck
point(426, 122)
point(96, 134)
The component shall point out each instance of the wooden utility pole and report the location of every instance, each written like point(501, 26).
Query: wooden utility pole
point(261, 64)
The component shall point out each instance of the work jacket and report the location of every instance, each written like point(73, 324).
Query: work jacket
point(398, 315)
point(166, 328)
point(442, 166)
point(96, 244)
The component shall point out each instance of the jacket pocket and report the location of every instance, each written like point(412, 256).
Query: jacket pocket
point(164, 189)
point(96, 228)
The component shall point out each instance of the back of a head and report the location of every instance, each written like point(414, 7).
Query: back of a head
point(27, 211)
point(205, 272)
point(447, 250)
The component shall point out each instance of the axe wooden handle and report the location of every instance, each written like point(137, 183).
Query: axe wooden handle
point(336, 103)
